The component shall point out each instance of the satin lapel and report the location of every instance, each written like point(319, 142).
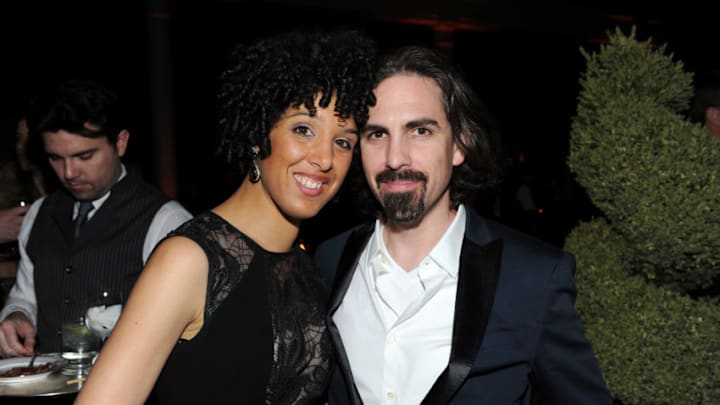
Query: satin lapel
point(477, 281)
point(354, 246)
point(348, 261)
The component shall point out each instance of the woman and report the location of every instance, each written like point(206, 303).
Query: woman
point(228, 310)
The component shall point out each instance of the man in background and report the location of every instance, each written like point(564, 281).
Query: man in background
point(95, 232)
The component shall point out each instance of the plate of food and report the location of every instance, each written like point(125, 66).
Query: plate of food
point(16, 369)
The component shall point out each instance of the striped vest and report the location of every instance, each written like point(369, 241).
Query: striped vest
point(70, 273)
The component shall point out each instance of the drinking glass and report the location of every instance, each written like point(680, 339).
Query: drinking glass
point(79, 347)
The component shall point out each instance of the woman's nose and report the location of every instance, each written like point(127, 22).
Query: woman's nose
point(322, 156)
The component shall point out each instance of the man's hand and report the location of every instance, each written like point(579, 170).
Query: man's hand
point(17, 336)
point(10, 220)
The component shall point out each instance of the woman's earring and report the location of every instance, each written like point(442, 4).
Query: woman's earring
point(254, 167)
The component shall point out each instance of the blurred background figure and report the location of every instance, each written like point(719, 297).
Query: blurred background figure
point(517, 203)
point(706, 105)
point(21, 182)
point(32, 180)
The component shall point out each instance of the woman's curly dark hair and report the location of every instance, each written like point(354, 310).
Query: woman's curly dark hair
point(288, 70)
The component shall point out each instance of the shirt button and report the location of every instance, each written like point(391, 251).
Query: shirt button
point(390, 395)
point(394, 338)
point(68, 300)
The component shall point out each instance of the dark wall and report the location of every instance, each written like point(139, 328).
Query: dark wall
point(202, 38)
point(528, 76)
point(43, 42)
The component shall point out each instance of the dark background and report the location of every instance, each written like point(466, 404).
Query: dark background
point(522, 56)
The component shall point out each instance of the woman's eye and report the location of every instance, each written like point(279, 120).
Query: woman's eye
point(344, 143)
point(302, 130)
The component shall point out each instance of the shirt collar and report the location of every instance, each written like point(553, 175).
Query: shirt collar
point(446, 253)
point(377, 253)
point(98, 202)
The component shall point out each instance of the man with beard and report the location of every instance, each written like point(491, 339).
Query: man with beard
point(94, 233)
point(431, 303)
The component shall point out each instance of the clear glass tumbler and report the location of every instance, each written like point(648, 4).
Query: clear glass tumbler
point(79, 347)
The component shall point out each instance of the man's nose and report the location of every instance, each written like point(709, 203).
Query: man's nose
point(397, 153)
point(69, 169)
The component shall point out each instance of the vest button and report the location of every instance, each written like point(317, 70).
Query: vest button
point(68, 269)
point(59, 332)
point(68, 300)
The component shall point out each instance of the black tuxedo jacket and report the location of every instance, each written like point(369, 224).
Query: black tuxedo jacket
point(516, 332)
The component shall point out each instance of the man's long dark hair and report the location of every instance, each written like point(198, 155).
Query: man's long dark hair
point(473, 128)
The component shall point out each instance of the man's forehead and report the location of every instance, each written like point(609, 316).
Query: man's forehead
point(69, 140)
point(409, 81)
point(404, 99)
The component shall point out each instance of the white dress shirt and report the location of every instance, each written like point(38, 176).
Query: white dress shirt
point(396, 325)
point(22, 296)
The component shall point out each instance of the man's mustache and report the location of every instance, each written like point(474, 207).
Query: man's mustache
point(408, 175)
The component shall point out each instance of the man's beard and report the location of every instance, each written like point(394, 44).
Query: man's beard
point(403, 208)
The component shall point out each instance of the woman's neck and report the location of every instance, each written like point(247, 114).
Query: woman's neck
point(251, 211)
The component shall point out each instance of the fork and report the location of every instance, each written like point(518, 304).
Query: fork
point(32, 359)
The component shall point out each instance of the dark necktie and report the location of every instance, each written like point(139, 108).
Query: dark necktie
point(83, 211)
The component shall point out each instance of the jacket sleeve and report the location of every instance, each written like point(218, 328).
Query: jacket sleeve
point(566, 370)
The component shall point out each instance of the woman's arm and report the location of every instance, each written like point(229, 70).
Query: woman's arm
point(166, 302)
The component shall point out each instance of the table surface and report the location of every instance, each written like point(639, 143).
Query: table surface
point(54, 384)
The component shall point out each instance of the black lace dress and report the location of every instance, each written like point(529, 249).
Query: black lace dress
point(263, 340)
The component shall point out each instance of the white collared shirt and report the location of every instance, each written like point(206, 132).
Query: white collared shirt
point(396, 326)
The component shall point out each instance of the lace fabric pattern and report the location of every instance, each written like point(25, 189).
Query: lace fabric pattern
point(302, 352)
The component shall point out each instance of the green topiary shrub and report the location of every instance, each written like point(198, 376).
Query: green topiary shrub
point(652, 173)
point(655, 176)
point(654, 345)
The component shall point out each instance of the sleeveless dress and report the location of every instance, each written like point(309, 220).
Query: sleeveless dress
point(263, 340)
